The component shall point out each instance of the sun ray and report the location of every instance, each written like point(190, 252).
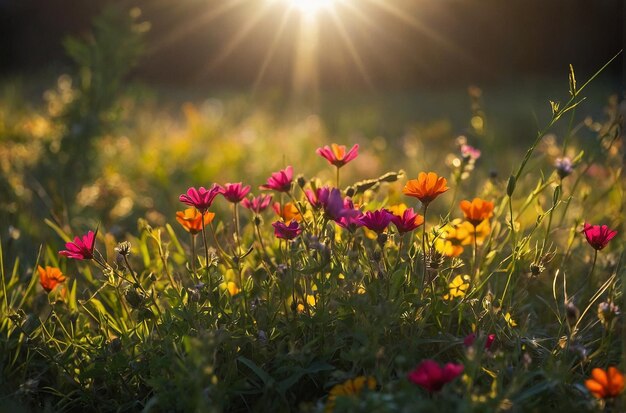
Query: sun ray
point(352, 50)
point(271, 50)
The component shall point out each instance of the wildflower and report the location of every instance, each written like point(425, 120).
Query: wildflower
point(470, 339)
point(407, 221)
point(280, 181)
point(191, 219)
point(336, 154)
point(288, 212)
point(350, 221)
point(257, 204)
point(397, 209)
point(288, 232)
point(313, 196)
point(458, 287)
point(201, 198)
point(235, 193)
point(598, 236)
point(123, 248)
point(349, 388)
point(232, 288)
point(451, 240)
point(509, 319)
point(466, 232)
point(376, 221)
point(469, 152)
point(333, 204)
point(477, 211)
point(564, 167)
point(432, 377)
point(605, 383)
point(50, 277)
point(426, 187)
point(607, 311)
point(80, 249)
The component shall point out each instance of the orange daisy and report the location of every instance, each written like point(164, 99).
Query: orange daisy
point(426, 187)
point(50, 277)
point(605, 383)
point(477, 211)
point(191, 219)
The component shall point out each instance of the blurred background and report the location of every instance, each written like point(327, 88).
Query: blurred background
point(110, 109)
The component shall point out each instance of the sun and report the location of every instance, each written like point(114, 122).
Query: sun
point(310, 7)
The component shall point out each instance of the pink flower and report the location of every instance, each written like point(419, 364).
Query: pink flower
point(201, 198)
point(408, 221)
point(470, 339)
point(331, 201)
point(257, 204)
point(287, 232)
point(598, 236)
point(350, 219)
point(280, 181)
point(235, 192)
point(469, 152)
point(80, 249)
point(313, 196)
point(432, 377)
point(336, 154)
point(377, 221)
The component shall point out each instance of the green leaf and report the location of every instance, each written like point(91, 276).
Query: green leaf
point(261, 374)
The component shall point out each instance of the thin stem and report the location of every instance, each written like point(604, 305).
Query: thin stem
point(206, 245)
point(474, 263)
point(423, 283)
point(337, 168)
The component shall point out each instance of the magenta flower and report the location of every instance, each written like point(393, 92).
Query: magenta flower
point(280, 181)
point(257, 204)
point(470, 339)
point(336, 154)
point(377, 221)
point(408, 221)
point(598, 236)
point(288, 232)
point(432, 377)
point(235, 192)
point(313, 197)
point(331, 201)
point(80, 249)
point(201, 198)
point(351, 217)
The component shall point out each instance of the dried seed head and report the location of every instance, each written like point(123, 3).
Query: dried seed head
point(123, 248)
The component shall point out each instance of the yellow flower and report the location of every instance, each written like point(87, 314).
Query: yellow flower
point(398, 209)
point(458, 287)
point(310, 300)
point(349, 388)
point(465, 232)
point(509, 320)
point(233, 289)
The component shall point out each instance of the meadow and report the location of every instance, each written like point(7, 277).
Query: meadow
point(165, 253)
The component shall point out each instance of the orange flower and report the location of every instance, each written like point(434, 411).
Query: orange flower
point(191, 219)
point(288, 212)
point(426, 187)
point(50, 277)
point(605, 383)
point(477, 211)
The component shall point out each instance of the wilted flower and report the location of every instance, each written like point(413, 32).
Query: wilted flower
point(288, 232)
point(564, 167)
point(407, 221)
point(598, 236)
point(432, 377)
point(605, 383)
point(80, 249)
point(235, 192)
point(477, 211)
point(191, 219)
point(376, 221)
point(336, 154)
point(257, 204)
point(201, 198)
point(349, 388)
point(426, 187)
point(50, 277)
point(123, 248)
point(280, 181)
point(458, 287)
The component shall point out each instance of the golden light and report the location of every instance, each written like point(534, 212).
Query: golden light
point(309, 8)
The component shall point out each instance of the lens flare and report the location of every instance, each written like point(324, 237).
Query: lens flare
point(310, 7)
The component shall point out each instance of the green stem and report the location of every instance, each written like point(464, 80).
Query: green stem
point(423, 282)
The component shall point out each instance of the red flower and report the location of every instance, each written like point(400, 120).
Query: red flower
point(336, 154)
point(200, 198)
point(377, 221)
point(432, 377)
point(598, 236)
point(257, 204)
point(235, 192)
point(50, 277)
point(469, 340)
point(408, 221)
point(287, 232)
point(280, 181)
point(80, 249)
